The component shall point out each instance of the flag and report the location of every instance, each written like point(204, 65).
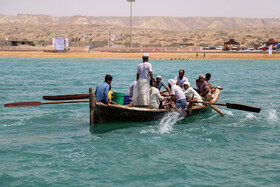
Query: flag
point(121, 36)
point(67, 42)
point(84, 37)
point(90, 37)
point(270, 50)
point(264, 46)
point(53, 42)
point(117, 37)
point(113, 37)
point(87, 36)
point(80, 36)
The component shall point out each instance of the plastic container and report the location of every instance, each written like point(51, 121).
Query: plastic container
point(118, 98)
point(126, 100)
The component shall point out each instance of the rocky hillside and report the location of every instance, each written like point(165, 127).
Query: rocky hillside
point(167, 23)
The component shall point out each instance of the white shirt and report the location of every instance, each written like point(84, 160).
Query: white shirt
point(144, 69)
point(155, 97)
point(178, 92)
point(131, 87)
point(190, 92)
point(181, 82)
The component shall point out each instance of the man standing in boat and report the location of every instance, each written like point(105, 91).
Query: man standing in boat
point(181, 79)
point(102, 90)
point(142, 88)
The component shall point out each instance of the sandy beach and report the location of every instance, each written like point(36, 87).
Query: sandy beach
point(138, 55)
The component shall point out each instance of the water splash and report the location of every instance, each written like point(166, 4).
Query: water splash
point(168, 121)
point(272, 115)
point(227, 112)
point(250, 116)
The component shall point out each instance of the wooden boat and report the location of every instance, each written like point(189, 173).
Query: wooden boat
point(118, 113)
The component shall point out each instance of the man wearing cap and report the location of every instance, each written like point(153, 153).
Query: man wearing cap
point(190, 93)
point(159, 84)
point(204, 88)
point(142, 88)
point(177, 94)
point(181, 79)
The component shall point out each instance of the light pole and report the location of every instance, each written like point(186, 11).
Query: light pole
point(131, 1)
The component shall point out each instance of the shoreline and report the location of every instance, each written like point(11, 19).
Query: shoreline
point(153, 55)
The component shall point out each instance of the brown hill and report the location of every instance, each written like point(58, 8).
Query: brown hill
point(148, 31)
point(168, 23)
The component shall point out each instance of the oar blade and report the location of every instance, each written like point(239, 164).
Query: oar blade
point(243, 107)
point(66, 97)
point(23, 104)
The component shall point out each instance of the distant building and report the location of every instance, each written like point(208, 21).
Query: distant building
point(15, 43)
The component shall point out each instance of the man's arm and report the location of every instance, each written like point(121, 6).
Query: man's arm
point(167, 89)
point(151, 75)
point(106, 95)
point(205, 92)
point(137, 76)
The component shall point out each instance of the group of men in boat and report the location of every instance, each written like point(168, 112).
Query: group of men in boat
point(145, 91)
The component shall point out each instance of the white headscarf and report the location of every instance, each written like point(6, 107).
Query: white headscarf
point(172, 82)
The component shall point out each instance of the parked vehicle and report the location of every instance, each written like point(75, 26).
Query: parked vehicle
point(219, 48)
point(235, 48)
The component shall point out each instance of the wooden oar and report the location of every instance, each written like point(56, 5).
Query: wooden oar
point(216, 109)
point(236, 106)
point(38, 103)
point(66, 97)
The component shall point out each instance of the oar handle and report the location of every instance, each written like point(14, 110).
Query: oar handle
point(66, 97)
point(38, 103)
point(60, 102)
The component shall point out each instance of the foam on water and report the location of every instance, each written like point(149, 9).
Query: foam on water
point(227, 112)
point(250, 116)
point(272, 115)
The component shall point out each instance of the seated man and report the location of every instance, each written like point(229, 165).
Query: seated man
point(190, 93)
point(159, 84)
point(155, 96)
point(181, 79)
point(131, 88)
point(207, 78)
point(197, 85)
point(177, 94)
point(102, 90)
point(204, 88)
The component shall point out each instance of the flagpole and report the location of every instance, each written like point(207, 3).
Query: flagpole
point(131, 1)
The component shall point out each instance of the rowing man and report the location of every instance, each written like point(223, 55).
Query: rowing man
point(142, 88)
point(102, 90)
point(177, 94)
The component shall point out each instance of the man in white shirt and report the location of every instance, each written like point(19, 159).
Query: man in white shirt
point(190, 92)
point(131, 88)
point(177, 94)
point(155, 96)
point(181, 79)
point(142, 88)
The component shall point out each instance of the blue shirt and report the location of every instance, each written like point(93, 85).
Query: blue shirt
point(159, 85)
point(101, 92)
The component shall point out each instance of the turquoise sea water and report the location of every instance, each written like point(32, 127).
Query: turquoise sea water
point(52, 145)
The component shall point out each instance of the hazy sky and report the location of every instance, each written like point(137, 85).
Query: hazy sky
point(175, 8)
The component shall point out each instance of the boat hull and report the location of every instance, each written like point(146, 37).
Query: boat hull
point(118, 113)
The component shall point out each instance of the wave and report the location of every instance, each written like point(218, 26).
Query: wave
point(272, 115)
